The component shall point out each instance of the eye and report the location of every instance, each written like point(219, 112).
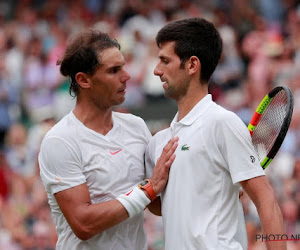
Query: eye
point(114, 70)
point(164, 61)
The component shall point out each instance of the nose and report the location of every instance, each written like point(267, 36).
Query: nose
point(157, 71)
point(125, 77)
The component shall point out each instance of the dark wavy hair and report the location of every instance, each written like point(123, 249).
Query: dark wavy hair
point(81, 55)
point(194, 37)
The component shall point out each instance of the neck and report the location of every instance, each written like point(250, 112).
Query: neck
point(190, 100)
point(93, 117)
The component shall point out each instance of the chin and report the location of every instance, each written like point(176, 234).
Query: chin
point(120, 101)
point(169, 94)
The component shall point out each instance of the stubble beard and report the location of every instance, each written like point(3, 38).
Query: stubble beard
point(177, 92)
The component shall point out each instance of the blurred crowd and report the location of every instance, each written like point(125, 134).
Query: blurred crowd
point(261, 50)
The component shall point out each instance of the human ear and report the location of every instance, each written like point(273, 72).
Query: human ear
point(83, 80)
point(194, 64)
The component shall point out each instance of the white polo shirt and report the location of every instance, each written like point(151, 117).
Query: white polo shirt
point(200, 204)
point(72, 154)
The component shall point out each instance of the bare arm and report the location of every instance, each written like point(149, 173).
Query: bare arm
point(262, 194)
point(87, 219)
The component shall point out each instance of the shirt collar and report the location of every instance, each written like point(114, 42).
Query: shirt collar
point(115, 122)
point(196, 111)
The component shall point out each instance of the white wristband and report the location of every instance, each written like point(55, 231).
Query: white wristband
point(134, 201)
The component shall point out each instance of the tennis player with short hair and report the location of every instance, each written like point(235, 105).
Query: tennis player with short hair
point(92, 157)
point(215, 155)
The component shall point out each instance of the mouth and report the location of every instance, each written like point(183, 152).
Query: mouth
point(122, 91)
point(164, 81)
point(165, 84)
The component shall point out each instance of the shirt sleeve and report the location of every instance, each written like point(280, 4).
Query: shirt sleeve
point(238, 150)
point(60, 165)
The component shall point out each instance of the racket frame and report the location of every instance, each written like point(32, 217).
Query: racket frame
point(286, 122)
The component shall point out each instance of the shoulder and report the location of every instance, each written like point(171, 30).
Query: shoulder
point(135, 126)
point(217, 112)
point(65, 129)
point(127, 119)
point(227, 124)
point(160, 138)
point(220, 122)
point(221, 116)
point(162, 134)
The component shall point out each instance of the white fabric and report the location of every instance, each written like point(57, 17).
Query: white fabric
point(135, 201)
point(72, 154)
point(200, 204)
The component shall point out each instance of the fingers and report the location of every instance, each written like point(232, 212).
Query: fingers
point(162, 167)
point(171, 142)
point(169, 150)
point(170, 161)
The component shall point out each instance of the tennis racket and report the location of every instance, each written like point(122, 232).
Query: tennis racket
point(270, 123)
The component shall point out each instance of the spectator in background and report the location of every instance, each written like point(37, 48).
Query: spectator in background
point(4, 192)
point(14, 62)
point(229, 72)
point(134, 92)
point(15, 149)
point(40, 83)
point(8, 100)
point(151, 84)
point(259, 67)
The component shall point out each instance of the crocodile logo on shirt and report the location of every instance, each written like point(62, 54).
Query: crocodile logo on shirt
point(185, 147)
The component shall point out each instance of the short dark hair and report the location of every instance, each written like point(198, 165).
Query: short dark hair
point(194, 37)
point(81, 55)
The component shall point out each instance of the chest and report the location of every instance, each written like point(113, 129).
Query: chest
point(198, 157)
point(113, 165)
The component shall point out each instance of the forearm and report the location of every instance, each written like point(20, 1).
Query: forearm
point(91, 219)
point(97, 218)
point(87, 219)
point(262, 194)
point(272, 224)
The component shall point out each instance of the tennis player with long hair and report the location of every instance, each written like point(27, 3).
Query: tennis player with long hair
point(215, 155)
point(92, 161)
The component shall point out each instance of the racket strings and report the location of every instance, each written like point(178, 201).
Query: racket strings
point(270, 124)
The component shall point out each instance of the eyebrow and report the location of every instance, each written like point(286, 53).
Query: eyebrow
point(117, 66)
point(163, 57)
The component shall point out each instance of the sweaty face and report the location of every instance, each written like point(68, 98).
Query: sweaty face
point(175, 79)
point(108, 83)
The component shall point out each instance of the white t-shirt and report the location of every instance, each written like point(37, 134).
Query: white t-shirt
point(72, 154)
point(200, 204)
